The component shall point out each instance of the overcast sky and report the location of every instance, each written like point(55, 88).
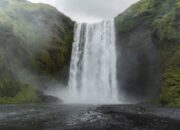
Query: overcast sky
point(89, 10)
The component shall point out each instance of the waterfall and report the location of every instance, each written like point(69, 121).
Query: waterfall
point(93, 64)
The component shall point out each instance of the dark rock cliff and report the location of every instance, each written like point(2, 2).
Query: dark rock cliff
point(35, 46)
point(148, 42)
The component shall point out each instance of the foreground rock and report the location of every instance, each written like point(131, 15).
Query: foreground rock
point(50, 99)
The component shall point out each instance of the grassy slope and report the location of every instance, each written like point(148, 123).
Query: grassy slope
point(35, 45)
point(162, 20)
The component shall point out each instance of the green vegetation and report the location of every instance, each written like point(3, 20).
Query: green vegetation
point(178, 5)
point(165, 26)
point(35, 47)
point(42, 30)
point(126, 24)
point(171, 88)
point(160, 20)
point(8, 88)
point(143, 6)
point(24, 94)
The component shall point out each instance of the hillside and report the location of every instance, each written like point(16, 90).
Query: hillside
point(35, 49)
point(149, 32)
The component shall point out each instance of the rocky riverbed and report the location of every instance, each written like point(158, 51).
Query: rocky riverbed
point(88, 117)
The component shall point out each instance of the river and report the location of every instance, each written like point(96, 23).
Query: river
point(88, 117)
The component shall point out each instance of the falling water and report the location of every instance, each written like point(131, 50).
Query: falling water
point(93, 64)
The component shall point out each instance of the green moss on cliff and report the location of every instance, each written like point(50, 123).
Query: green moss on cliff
point(24, 94)
point(40, 29)
point(143, 6)
point(35, 47)
point(165, 26)
point(8, 87)
point(178, 5)
point(171, 87)
point(161, 20)
point(126, 24)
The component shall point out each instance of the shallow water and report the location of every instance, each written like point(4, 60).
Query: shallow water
point(87, 117)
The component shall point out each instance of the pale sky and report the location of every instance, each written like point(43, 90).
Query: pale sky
point(89, 10)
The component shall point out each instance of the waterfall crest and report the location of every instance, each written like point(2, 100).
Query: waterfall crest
point(93, 64)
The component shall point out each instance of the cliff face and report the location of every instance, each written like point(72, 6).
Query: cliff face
point(35, 46)
point(148, 40)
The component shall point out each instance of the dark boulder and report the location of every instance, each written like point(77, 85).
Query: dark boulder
point(50, 99)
